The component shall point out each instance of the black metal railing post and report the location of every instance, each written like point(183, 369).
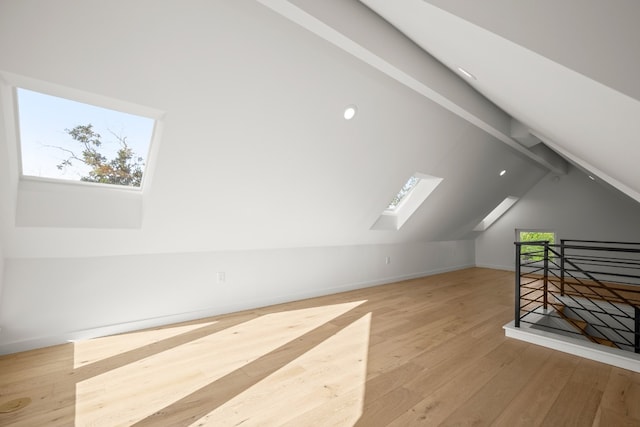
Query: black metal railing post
point(517, 292)
point(562, 267)
point(545, 288)
point(637, 330)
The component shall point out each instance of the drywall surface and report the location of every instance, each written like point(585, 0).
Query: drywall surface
point(1, 276)
point(365, 28)
point(573, 206)
point(578, 23)
point(48, 301)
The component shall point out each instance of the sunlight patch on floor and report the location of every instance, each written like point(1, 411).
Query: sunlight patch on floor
point(126, 395)
point(323, 387)
point(94, 350)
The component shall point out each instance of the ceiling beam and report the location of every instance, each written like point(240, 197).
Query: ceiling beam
point(353, 27)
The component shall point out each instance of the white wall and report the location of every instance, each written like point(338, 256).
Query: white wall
point(1, 279)
point(572, 205)
point(47, 301)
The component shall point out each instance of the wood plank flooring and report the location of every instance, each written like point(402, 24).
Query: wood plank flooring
point(428, 351)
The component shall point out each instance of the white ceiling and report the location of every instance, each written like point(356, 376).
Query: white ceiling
point(568, 70)
point(254, 152)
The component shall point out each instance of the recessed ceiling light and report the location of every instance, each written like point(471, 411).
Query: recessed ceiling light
point(350, 112)
point(466, 73)
point(502, 172)
point(591, 178)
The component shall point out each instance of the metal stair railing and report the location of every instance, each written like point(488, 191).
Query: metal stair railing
point(595, 283)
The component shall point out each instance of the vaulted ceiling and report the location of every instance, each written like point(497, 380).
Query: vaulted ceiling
point(253, 150)
point(567, 70)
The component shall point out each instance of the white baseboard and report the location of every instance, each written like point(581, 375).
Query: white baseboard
point(496, 267)
point(611, 356)
point(135, 325)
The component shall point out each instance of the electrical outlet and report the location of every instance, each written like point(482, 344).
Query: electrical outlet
point(387, 260)
point(221, 277)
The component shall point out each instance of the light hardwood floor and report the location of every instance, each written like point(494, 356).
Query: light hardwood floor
point(429, 351)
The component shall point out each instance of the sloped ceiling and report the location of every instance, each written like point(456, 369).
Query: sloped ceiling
point(568, 70)
point(254, 152)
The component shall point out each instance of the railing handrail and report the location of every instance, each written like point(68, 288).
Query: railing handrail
point(601, 241)
point(583, 247)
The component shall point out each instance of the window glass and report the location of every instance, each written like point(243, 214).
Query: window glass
point(534, 253)
point(69, 140)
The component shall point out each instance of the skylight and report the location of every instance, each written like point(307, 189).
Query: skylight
point(496, 213)
point(410, 197)
point(403, 193)
point(68, 140)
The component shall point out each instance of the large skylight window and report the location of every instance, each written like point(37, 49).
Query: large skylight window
point(412, 194)
point(68, 140)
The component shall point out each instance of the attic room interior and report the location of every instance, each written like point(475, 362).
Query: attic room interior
point(312, 237)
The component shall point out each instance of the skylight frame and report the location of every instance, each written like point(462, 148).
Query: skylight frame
point(413, 199)
point(43, 202)
point(38, 157)
point(9, 84)
point(496, 213)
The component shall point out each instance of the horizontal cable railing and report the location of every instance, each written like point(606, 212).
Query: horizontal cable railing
point(584, 288)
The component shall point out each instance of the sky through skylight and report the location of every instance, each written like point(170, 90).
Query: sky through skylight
point(43, 140)
point(404, 192)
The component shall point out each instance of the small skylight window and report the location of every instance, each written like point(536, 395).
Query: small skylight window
point(403, 193)
point(69, 140)
point(412, 194)
point(496, 213)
